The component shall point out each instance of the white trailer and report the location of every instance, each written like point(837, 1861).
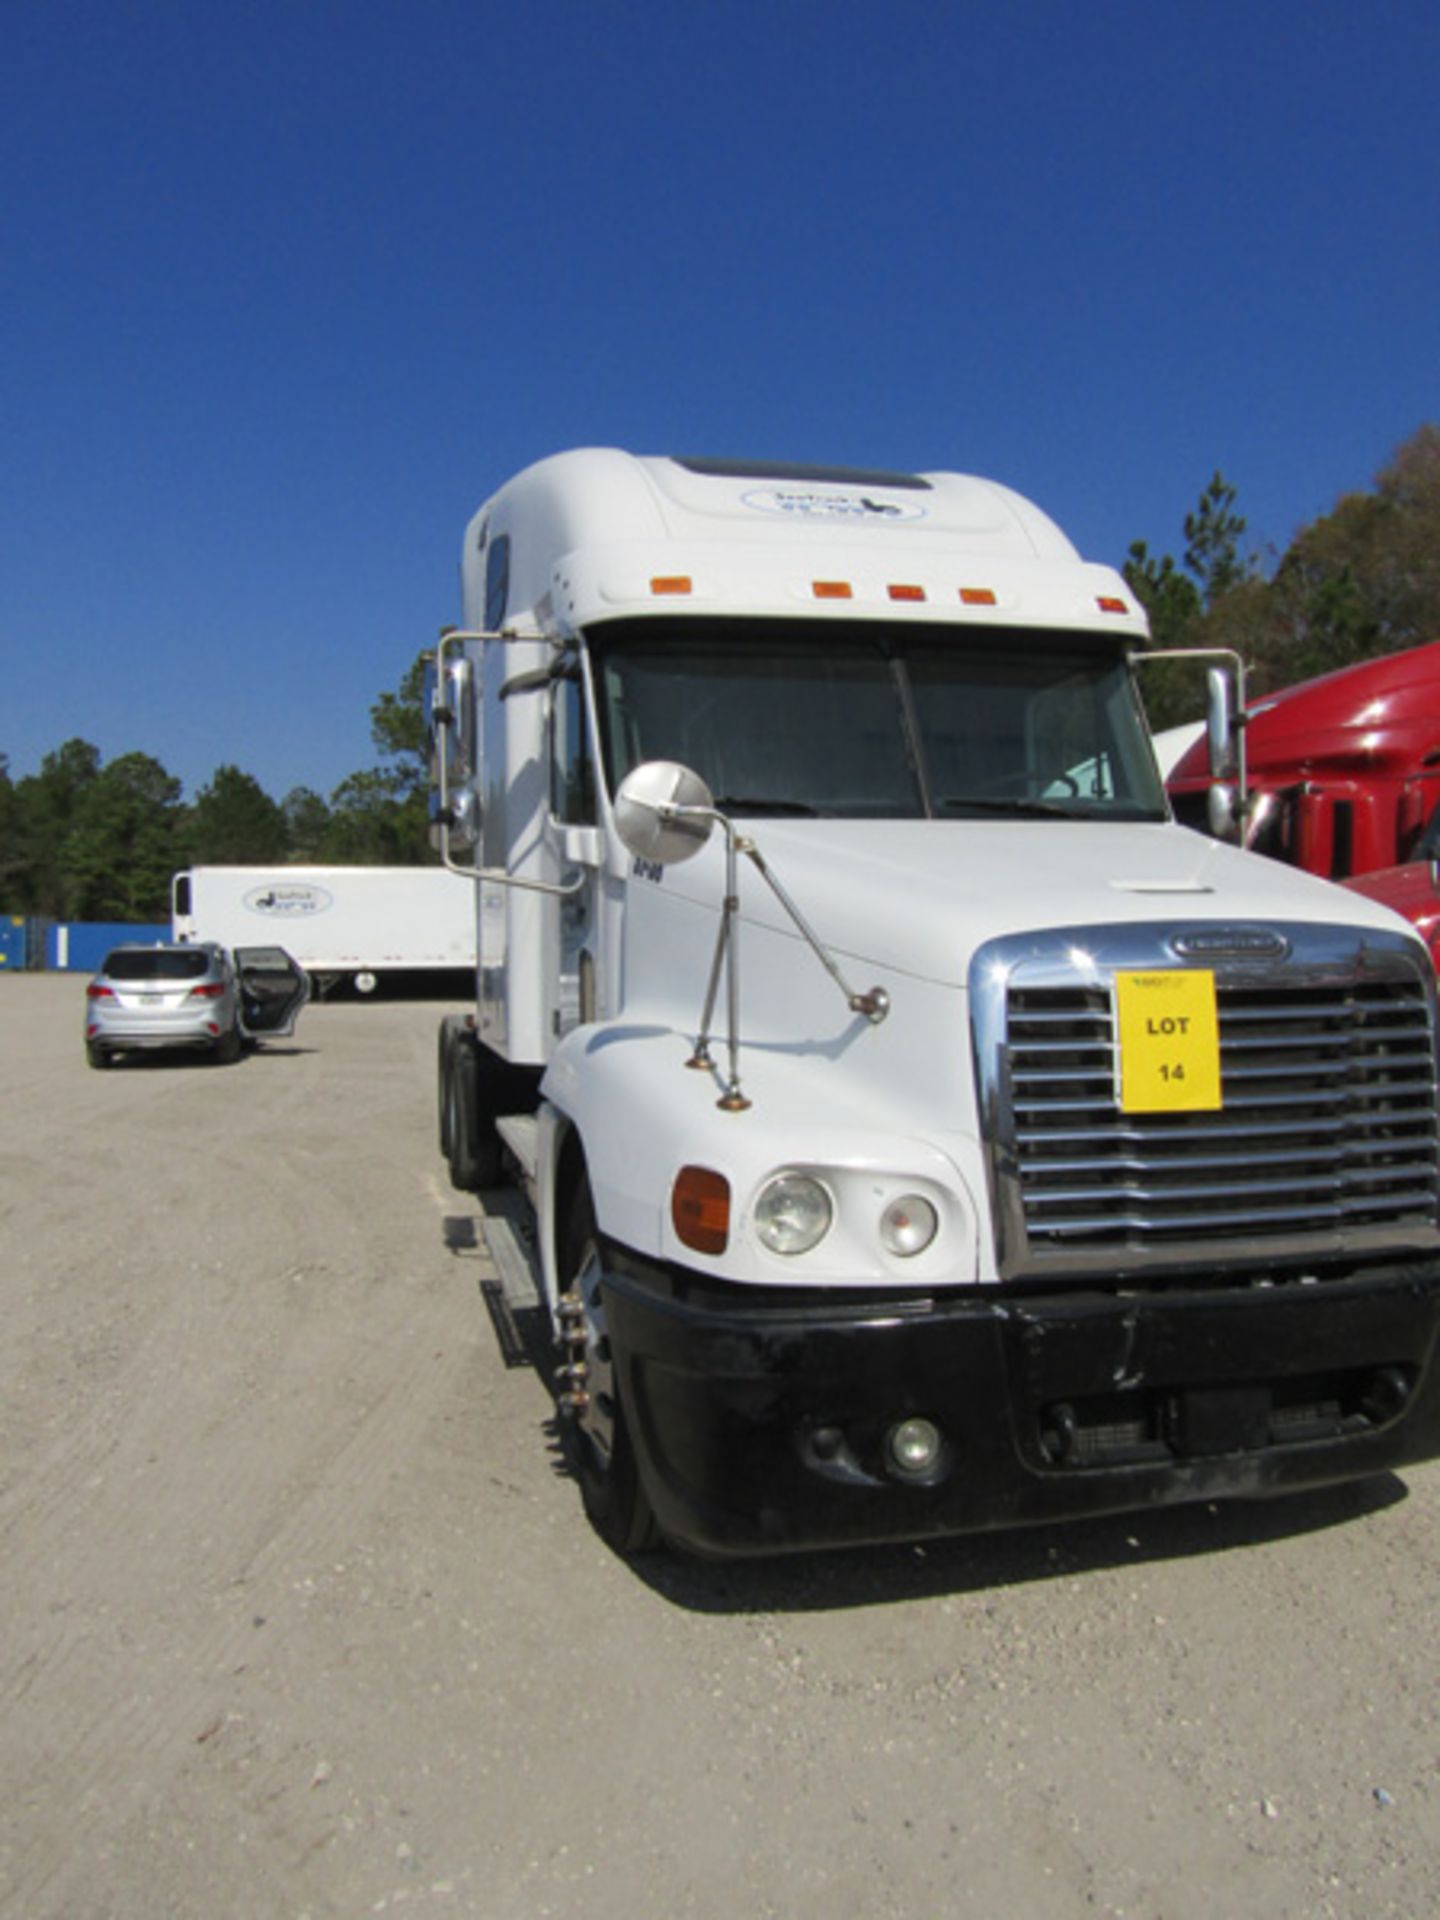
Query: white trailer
point(342, 924)
point(924, 1132)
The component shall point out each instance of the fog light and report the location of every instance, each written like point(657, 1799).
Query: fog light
point(793, 1213)
point(914, 1445)
point(908, 1225)
point(1386, 1392)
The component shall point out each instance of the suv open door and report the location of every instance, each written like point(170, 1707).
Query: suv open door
point(273, 989)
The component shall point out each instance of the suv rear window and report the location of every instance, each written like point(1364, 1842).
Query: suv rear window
point(158, 963)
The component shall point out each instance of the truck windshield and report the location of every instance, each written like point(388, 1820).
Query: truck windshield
point(851, 718)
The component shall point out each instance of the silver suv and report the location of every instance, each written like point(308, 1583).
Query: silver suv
point(195, 997)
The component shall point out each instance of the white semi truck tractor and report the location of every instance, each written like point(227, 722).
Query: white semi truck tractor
point(924, 1132)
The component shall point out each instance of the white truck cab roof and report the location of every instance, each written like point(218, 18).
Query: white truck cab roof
point(598, 534)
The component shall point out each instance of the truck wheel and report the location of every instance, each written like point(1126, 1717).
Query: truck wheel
point(604, 1457)
point(473, 1152)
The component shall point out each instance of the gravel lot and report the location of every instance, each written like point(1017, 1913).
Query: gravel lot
point(302, 1617)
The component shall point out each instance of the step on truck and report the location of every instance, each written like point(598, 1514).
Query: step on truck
point(924, 1133)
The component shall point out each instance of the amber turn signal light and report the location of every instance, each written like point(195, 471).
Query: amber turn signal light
point(700, 1209)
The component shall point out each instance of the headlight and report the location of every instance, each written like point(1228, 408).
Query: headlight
point(908, 1225)
point(793, 1213)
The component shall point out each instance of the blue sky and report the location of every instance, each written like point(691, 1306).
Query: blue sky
point(287, 287)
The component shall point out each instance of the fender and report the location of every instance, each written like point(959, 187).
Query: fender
point(624, 1069)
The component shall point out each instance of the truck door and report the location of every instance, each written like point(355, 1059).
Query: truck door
point(272, 989)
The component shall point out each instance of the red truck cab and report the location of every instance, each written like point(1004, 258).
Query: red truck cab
point(1344, 774)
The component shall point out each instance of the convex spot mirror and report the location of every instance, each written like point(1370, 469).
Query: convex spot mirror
point(1221, 814)
point(664, 812)
point(458, 823)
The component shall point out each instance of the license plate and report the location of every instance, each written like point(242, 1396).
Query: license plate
point(152, 999)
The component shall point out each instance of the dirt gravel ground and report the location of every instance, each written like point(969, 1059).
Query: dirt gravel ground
point(302, 1617)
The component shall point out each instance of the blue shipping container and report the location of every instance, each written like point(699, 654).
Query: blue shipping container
point(78, 946)
point(14, 951)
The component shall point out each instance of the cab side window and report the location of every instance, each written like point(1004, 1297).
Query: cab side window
point(572, 772)
point(497, 583)
point(1424, 845)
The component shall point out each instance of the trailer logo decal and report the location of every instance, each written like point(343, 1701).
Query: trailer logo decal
point(288, 900)
point(800, 503)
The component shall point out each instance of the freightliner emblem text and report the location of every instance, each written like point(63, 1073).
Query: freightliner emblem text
point(1226, 943)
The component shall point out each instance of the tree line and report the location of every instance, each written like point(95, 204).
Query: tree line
point(82, 840)
point(1362, 580)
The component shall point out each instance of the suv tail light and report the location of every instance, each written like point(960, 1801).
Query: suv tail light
point(211, 992)
point(99, 993)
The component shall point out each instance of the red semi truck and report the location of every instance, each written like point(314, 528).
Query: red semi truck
point(1344, 778)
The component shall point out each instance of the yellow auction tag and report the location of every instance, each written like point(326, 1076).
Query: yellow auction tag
point(1169, 1042)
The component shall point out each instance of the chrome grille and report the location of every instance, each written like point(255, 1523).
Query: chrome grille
point(1326, 1137)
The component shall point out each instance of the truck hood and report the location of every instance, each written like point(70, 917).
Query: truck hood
point(917, 897)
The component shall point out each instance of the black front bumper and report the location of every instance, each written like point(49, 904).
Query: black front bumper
point(761, 1425)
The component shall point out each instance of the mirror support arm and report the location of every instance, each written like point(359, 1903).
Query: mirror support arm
point(663, 814)
point(727, 955)
point(874, 1005)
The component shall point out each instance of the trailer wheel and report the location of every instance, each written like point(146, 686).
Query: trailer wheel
point(473, 1149)
point(604, 1457)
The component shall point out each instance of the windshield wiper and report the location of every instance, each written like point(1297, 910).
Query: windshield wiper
point(757, 803)
point(1049, 809)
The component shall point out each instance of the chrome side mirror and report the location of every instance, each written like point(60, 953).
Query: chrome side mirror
point(449, 707)
point(664, 812)
point(1224, 804)
point(1220, 725)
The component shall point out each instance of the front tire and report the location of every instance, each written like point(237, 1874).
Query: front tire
point(611, 1490)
